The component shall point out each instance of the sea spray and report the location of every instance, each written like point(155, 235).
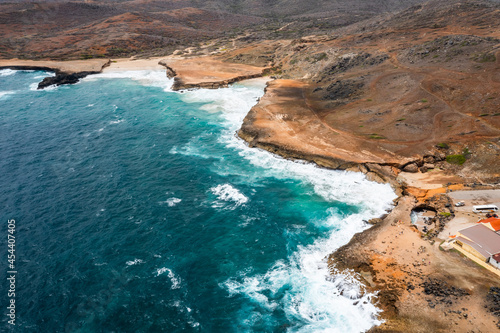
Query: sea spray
point(301, 286)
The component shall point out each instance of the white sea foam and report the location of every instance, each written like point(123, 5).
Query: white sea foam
point(6, 94)
point(302, 287)
point(114, 122)
point(34, 87)
point(175, 280)
point(134, 262)
point(144, 77)
point(44, 75)
point(171, 202)
point(308, 293)
point(7, 72)
point(227, 193)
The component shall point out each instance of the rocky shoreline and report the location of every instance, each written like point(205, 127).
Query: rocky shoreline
point(420, 287)
point(207, 72)
point(409, 273)
point(66, 72)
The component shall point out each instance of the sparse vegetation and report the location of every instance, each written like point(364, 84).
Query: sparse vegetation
point(376, 136)
point(423, 100)
point(443, 145)
point(445, 214)
point(319, 57)
point(484, 57)
point(456, 159)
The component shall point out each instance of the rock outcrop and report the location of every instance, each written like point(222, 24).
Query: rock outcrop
point(63, 78)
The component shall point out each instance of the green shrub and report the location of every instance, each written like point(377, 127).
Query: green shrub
point(456, 159)
point(443, 145)
point(318, 57)
point(376, 136)
point(445, 214)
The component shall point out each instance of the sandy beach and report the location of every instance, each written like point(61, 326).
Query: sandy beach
point(68, 67)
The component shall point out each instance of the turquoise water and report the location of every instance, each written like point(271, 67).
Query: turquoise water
point(138, 210)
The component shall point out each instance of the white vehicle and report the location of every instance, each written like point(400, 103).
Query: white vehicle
point(460, 204)
point(485, 209)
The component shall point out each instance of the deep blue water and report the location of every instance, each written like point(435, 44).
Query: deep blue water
point(138, 210)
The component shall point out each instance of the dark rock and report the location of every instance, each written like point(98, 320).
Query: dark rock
point(342, 89)
point(63, 78)
point(363, 59)
point(442, 291)
point(493, 303)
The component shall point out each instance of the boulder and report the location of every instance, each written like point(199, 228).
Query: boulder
point(412, 167)
point(429, 166)
point(429, 159)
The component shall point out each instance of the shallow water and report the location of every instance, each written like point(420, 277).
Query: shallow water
point(138, 210)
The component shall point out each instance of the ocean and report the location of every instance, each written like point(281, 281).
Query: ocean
point(138, 209)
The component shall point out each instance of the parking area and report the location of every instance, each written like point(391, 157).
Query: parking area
point(464, 217)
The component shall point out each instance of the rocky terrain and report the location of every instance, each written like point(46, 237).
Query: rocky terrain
point(416, 93)
point(62, 29)
point(420, 287)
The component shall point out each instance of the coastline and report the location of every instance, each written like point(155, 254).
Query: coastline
point(188, 73)
point(392, 268)
point(392, 258)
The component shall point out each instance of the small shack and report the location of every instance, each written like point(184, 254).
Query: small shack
point(495, 260)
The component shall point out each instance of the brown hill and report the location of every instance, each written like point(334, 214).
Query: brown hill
point(80, 29)
point(392, 91)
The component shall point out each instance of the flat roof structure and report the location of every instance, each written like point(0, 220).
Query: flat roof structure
point(481, 238)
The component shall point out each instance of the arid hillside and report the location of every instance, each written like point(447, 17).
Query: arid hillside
point(107, 28)
point(70, 30)
point(391, 91)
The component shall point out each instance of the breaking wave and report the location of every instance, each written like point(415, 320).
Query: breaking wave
point(145, 77)
point(302, 286)
point(7, 72)
point(6, 94)
point(228, 193)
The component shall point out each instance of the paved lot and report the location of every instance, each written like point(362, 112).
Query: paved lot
point(464, 217)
